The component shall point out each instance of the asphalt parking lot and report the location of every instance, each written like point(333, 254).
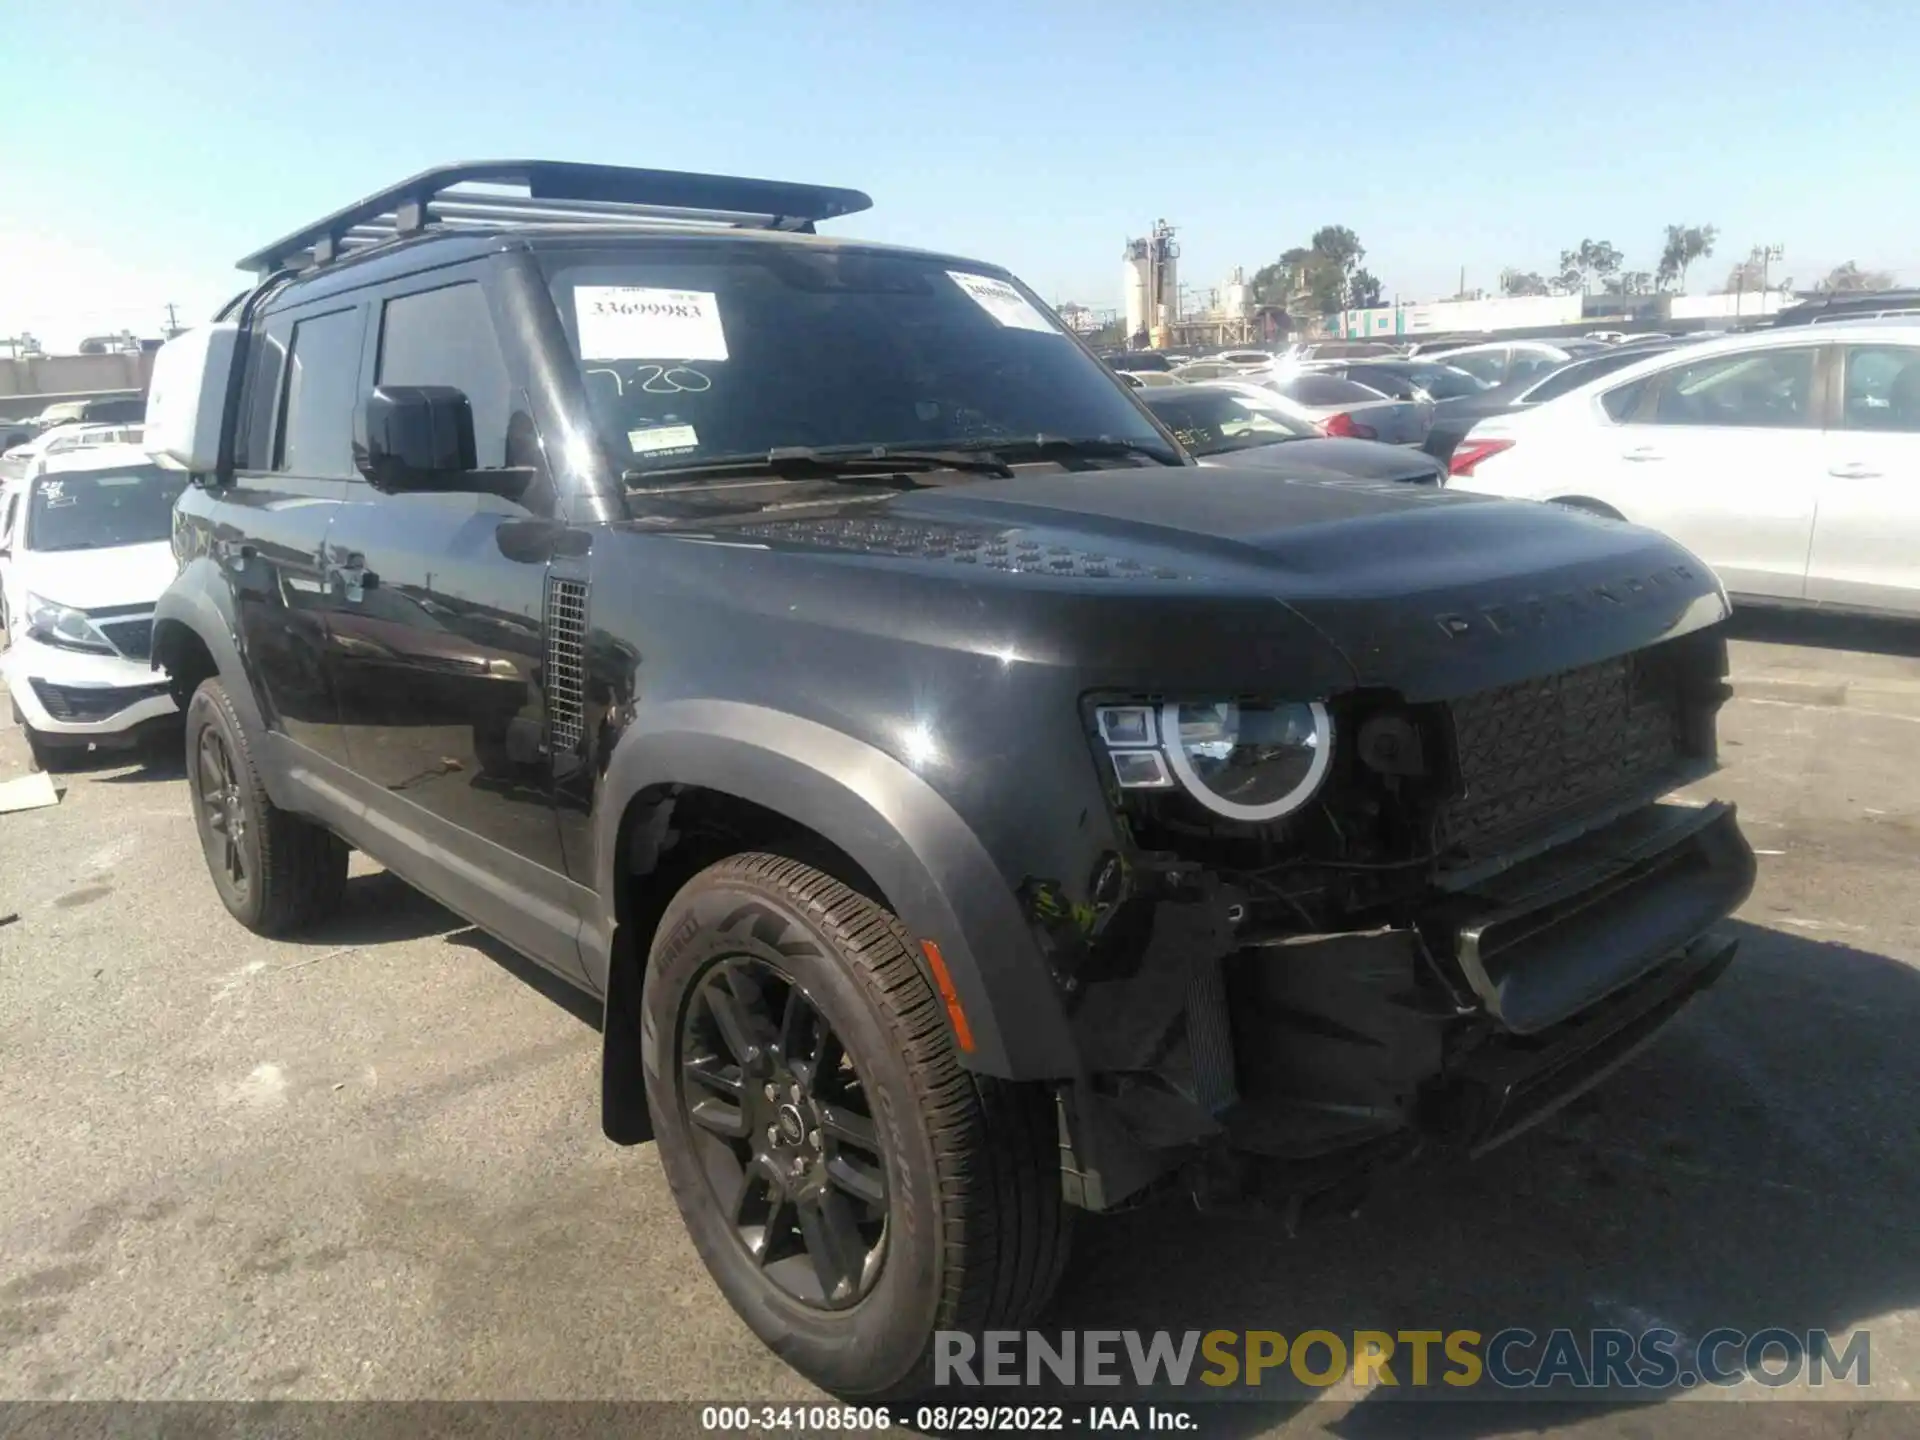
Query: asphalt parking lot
point(368, 1165)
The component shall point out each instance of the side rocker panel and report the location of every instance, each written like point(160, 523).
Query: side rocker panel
point(929, 865)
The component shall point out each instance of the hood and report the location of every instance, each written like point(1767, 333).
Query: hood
point(98, 579)
point(1427, 591)
point(1331, 459)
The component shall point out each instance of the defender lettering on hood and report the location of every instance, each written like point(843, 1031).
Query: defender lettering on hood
point(1569, 605)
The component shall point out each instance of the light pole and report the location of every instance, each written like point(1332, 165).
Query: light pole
point(1767, 254)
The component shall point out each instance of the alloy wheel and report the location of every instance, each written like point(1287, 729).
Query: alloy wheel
point(782, 1126)
point(222, 808)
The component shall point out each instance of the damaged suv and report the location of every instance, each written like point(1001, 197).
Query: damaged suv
point(968, 809)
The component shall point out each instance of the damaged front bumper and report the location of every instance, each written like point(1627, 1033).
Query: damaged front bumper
point(1497, 1003)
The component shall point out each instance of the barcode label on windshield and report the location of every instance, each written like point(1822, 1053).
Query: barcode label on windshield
point(637, 322)
point(1000, 300)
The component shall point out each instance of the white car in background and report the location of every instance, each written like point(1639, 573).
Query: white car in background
point(86, 549)
point(22, 460)
point(1499, 362)
point(1787, 459)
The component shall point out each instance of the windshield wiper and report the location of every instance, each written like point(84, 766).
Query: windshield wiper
point(1060, 447)
point(804, 463)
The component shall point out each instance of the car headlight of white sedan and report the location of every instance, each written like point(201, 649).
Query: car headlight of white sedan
point(56, 624)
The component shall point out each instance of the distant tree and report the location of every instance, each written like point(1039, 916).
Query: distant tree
point(1851, 278)
point(1633, 282)
point(1744, 278)
point(1285, 282)
point(1337, 255)
point(1319, 278)
point(1522, 282)
point(1603, 260)
point(1268, 285)
point(1339, 246)
point(1684, 245)
point(1591, 260)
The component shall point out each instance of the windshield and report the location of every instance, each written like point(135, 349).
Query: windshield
point(99, 509)
point(1209, 422)
point(698, 353)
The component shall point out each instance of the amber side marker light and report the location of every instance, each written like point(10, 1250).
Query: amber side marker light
point(962, 1031)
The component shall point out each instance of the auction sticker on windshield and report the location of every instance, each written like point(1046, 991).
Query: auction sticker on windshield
point(1000, 300)
point(663, 440)
point(637, 322)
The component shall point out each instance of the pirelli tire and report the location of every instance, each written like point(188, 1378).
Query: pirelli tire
point(276, 873)
point(973, 1233)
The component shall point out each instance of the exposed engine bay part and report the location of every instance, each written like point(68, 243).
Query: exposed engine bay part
point(1484, 1013)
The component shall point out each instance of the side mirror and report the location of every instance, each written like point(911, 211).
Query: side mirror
point(419, 438)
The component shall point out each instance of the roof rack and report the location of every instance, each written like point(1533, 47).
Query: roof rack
point(497, 194)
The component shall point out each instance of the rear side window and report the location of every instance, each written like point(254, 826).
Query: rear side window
point(1764, 389)
point(1882, 389)
point(1575, 375)
point(1391, 383)
point(1487, 365)
point(1532, 362)
point(323, 365)
point(445, 337)
point(1325, 390)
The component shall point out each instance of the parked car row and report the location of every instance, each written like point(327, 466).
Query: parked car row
point(1788, 458)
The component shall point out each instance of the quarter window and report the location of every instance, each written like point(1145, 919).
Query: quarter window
point(1622, 402)
point(316, 431)
point(445, 337)
point(1766, 389)
point(1881, 388)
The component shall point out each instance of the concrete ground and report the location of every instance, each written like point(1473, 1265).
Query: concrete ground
point(368, 1165)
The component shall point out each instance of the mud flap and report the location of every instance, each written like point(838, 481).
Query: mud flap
point(623, 1074)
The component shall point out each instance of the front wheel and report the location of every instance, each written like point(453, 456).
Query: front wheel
point(851, 1187)
point(276, 873)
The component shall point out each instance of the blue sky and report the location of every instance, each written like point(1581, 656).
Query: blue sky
point(145, 151)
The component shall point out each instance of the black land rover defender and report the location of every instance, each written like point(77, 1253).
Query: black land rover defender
point(968, 809)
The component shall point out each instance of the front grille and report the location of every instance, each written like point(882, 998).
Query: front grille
point(566, 664)
point(132, 638)
point(81, 703)
point(1548, 749)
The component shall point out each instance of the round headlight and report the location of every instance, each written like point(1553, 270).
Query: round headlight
point(1249, 762)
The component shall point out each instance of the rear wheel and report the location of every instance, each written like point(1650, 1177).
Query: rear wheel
point(851, 1187)
point(276, 873)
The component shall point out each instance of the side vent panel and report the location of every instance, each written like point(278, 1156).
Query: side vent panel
point(566, 665)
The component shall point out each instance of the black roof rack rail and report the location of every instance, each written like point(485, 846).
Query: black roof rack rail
point(481, 194)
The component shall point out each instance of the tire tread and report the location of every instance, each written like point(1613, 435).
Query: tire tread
point(303, 866)
point(1006, 1228)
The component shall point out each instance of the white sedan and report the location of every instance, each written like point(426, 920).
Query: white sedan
point(1788, 459)
point(86, 550)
